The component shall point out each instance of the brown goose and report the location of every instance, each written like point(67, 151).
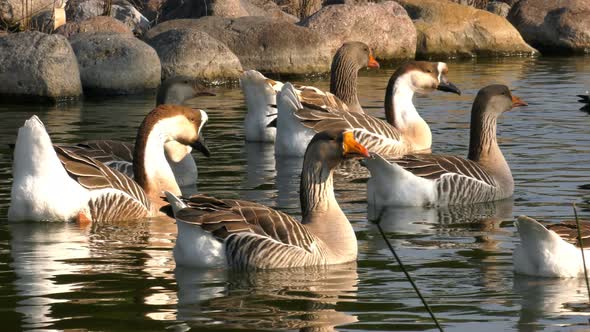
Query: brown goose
point(260, 92)
point(241, 234)
point(551, 250)
point(53, 183)
point(119, 155)
point(302, 113)
point(416, 180)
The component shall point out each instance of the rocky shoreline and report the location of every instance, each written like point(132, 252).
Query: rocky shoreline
point(120, 47)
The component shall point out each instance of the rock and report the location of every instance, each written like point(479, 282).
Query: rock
point(94, 24)
point(261, 43)
point(554, 26)
point(80, 10)
point(34, 64)
point(114, 63)
point(192, 53)
point(391, 33)
point(11, 11)
point(176, 9)
point(303, 8)
point(498, 8)
point(449, 29)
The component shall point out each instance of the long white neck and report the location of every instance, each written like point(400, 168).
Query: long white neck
point(152, 170)
point(401, 113)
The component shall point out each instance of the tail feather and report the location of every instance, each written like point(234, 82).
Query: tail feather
point(287, 100)
point(176, 203)
point(531, 230)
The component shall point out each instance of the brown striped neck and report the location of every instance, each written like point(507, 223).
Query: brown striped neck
point(484, 149)
point(316, 189)
point(343, 79)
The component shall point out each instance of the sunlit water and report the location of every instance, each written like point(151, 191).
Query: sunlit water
point(121, 277)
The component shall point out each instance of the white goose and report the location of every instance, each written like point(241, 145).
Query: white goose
point(302, 113)
point(119, 155)
point(53, 183)
point(435, 180)
point(244, 235)
point(552, 250)
point(260, 92)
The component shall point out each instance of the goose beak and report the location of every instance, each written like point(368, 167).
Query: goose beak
point(372, 62)
point(516, 102)
point(201, 146)
point(447, 86)
point(352, 148)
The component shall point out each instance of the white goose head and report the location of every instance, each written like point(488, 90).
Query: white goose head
point(424, 77)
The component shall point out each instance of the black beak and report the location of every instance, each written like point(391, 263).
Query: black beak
point(201, 146)
point(448, 87)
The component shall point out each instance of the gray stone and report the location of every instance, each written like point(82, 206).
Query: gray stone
point(11, 11)
point(498, 8)
point(80, 10)
point(192, 53)
point(554, 26)
point(448, 29)
point(94, 24)
point(390, 31)
point(176, 9)
point(38, 65)
point(114, 63)
point(268, 45)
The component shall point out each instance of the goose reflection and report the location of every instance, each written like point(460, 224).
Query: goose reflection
point(549, 297)
point(287, 182)
point(260, 171)
point(305, 299)
point(40, 253)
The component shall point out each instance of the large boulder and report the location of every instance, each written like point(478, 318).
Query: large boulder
point(34, 64)
point(80, 10)
point(193, 53)
point(261, 43)
point(94, 24)
point(114, 63)
point(449, 29)
point(554, 26)
point(391, 33)
point(176, 9)
point(13, 11)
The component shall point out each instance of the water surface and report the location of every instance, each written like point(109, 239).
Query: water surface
point(122, 276)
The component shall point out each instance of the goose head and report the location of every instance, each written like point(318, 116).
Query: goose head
point(357, 53)
point(179, 124)
point(424, 77)
point(334, 146)
point(178, 90)
point(494, 100)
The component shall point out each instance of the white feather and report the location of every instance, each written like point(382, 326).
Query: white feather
point(292, 137)
point(543, 253)
point(259, 95)
point(41, 188)
point(391, 185)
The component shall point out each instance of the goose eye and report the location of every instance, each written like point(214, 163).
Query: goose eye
point(429, 70)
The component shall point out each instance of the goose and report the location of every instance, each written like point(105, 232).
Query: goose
point(439, 180)
point(303, 113)
point(550, 251)
point(246, 235)
point(119, 155)
point(53, 183)
point(260, 91)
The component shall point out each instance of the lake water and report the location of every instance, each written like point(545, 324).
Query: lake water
point(59, 276)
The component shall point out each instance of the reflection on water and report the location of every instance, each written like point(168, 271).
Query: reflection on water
point(281, 299)
point(116, 276)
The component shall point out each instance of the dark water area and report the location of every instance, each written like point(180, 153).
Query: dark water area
point(57, 276)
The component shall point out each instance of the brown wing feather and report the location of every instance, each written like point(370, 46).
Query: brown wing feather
point(118, 149)
point(94, 175)
point(225, 217)
point(568, 230)
point(432, 167)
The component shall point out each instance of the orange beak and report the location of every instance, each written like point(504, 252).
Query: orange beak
point(372, 62)
point(352, 148)
point(518, 102)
